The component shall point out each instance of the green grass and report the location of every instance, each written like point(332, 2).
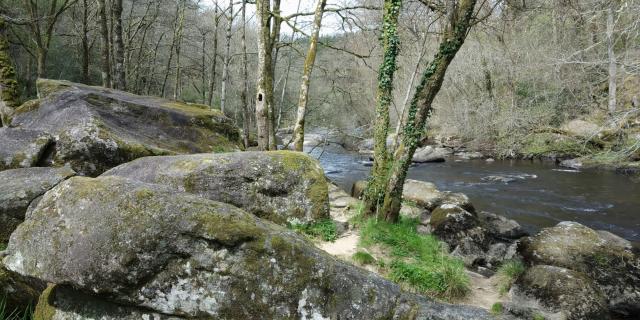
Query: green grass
point(538, 317)
point(508, 273)
point(497, 308)
point(417, 260)
point(324, 229)
point(363, 258)
point(3, 246)
point(6, 314)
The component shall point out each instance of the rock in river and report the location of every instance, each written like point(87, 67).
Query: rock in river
point(280, 186)
point(156, 251)
point(18, 188)
point(96, 129)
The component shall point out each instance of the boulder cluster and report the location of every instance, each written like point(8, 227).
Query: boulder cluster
point(571, 271)
point(115, 206)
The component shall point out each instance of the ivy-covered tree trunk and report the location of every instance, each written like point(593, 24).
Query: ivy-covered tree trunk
point(298, 131)
point(421, 105)
point(246, 116)
point(8, 82)
point(374, 193)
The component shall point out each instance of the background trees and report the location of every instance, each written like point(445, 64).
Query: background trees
point(524, 66)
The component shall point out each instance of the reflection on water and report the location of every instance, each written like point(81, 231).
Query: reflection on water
point(534, 193)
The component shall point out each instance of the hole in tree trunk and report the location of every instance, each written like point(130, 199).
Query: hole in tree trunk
point(259, 96)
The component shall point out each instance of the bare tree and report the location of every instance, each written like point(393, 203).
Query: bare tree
point(227, 58)
point(298, 132)
point(119, 70)
point(104, 49)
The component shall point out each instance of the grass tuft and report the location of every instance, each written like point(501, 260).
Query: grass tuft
point(497, 308)
point(363, 258)
point(417, 260)
point(508, 273)
point(5, 314)
point(324, 229)
point(3, 246)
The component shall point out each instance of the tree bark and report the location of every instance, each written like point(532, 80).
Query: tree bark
point(85, 42)
point(179, 32)
point(227, 58)
point(298, 131)
point(374, 193)
point(212, 77)
point(245, 80)
point(264, 94)
point(274, 39)
point(120, 82)
point(104, 49)
point(8, 80)
point(421, 105)
point(612, 59)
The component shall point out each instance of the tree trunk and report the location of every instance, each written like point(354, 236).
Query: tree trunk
point(274, 38)
point(245, 80)
point(178, 79)
point(85, 42)
point(171, 49)
point(104, 50)
point(374, 193)
point(612, 59)
point(120, 82)
point(212, 77)
point(264, 94)
point(421, 104)
point(8, 80)
point(298, 131)
point(227, 58)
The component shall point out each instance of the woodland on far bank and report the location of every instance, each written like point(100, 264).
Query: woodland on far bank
point(526, 69)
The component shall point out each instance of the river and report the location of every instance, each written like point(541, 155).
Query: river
point(540, 195)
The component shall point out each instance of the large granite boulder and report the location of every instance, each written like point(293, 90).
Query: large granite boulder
point(557, 293)
point(153, 250)
point(603, 257)
point(22, 148)
point(96, 128)
point(18, 188)
point(280, 186)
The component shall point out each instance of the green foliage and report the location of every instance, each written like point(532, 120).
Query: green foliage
point(508, 273)
point(324, 229)
point(547, 144)
point(417, 260)
point(497, 308)
point(3, 246)
point(363, 258)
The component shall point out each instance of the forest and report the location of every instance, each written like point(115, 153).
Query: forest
point(479, 159)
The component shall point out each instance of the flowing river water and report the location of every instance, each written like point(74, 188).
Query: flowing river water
point(540, 194)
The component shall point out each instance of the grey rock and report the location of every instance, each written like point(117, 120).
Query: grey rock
point(22, 148)
point(469, 155)
point(177, 254)
point(500, 226)
point(571, 163)
point(18, 188)
point(430, 154)
point(97, 128)
point(280, 186)
point(557, 293)
point(426, 195)
point(607, 261)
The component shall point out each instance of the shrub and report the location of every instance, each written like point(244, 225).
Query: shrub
point(508, 273)
point(497, 308)
point(363, 258)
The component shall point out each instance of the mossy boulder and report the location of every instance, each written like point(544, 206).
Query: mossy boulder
point(18, 292)
point(97, 128)
point(558, 293)
point(18, 188)
point(282, 186)
point(21, 148)
point(156, 250)
point(603, 257)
